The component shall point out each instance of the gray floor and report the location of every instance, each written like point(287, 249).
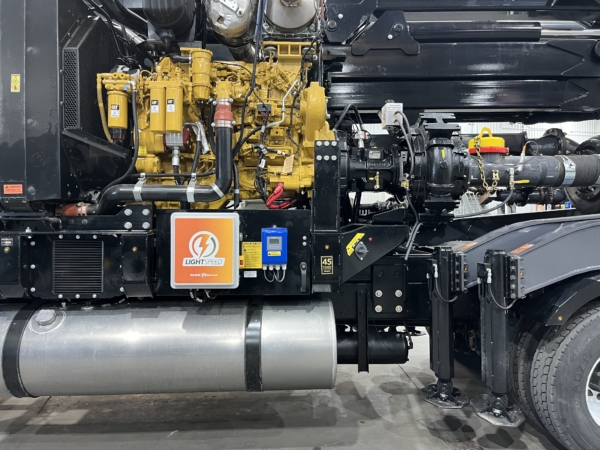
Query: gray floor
point(379, 410)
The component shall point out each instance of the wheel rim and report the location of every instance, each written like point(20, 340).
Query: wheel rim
point(593, 393)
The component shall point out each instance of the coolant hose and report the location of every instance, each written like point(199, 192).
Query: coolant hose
point(111, 198)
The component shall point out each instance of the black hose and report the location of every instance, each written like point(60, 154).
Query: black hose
point(257, 40)
point(241, 142)
point(180, 59)
point(236, 186)
point(136, 145)
point(178, 181)
point(343, 116)
point(111, 198)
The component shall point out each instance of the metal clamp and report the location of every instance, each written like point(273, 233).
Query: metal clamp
point(191, 188)
point(137, 190)
point(570, 171)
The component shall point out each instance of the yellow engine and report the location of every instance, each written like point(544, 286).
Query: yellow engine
point(277, 121)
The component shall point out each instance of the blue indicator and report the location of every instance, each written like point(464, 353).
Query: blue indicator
point(274, 248)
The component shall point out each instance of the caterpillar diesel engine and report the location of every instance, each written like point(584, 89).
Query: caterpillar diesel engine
point(183, 197)
point(188, 102)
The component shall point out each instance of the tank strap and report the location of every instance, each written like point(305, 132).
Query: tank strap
point(11, 349)
point(253, 338)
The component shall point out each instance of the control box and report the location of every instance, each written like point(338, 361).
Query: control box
point(389, 115)
point(274, 248)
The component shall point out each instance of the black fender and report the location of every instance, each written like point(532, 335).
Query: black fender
point(559, 302)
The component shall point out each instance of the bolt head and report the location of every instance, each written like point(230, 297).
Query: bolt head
point(398, 293)
point(398, 309)
point(128, 212)
point(60, 296)
point(32, 266)
point(146, 226)
point(32, 289)
point(128, 225)
point(94, 296)
point(122, 289)
point(146, 212)
point(77, 237)
point(340, 16)
point(77, 296)
point(378, 309)
point(378, 293)
point(390, 37)
point(32, 243)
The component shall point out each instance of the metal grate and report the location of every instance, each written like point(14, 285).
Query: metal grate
point(71, 90)
point(89, 51)
point(78, 267)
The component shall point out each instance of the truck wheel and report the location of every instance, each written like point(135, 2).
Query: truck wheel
point(565, 378)
point(524, 343)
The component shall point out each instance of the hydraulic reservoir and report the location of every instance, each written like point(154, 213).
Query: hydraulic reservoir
point(158, 102)
point(174, 113)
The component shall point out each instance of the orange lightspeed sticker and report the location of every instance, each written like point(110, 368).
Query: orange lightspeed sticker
point(204, 251)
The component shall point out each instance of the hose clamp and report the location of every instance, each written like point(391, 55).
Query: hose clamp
point(191, 188)
point(217, 190)
point(137, 190)
point(570, 171)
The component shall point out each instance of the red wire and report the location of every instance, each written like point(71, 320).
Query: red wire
point(276, 195)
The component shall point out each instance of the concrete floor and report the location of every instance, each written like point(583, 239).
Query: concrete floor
point(379, 410)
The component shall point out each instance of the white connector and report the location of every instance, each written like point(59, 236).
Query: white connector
point(388, 115)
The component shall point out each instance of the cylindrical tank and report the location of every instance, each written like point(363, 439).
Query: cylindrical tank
point(174, 113)
point(201, 73)
point(117, 109)
point(291, 15)
point(185, 347)
point(157, 109)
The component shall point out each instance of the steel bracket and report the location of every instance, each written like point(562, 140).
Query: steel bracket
point(389, 32)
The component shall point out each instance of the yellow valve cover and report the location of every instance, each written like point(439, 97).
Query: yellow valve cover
point(487, 141)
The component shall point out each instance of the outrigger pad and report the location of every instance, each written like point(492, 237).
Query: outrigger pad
point(455, 400)
point(494, 410)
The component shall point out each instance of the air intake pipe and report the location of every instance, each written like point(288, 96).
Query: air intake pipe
point(158, 193)
point(182, 347)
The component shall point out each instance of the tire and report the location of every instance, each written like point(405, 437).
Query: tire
point(562, 364)
point(524, 344)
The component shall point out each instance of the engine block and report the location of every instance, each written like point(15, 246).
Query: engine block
point(274, 132)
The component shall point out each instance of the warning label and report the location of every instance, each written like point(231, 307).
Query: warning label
point(15, 83)
point(13, 189)
point(353, 243)
point(170, 106)
point(251, 255)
